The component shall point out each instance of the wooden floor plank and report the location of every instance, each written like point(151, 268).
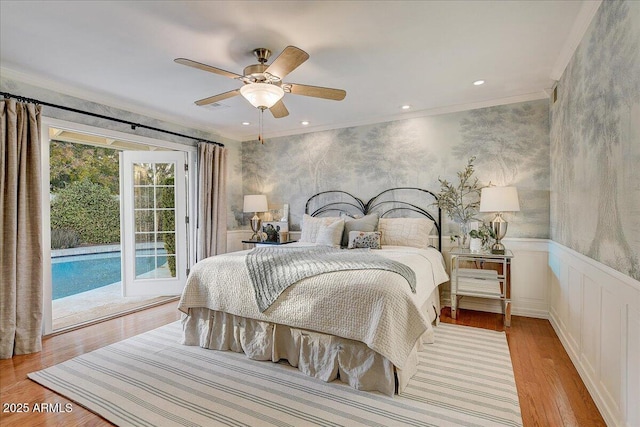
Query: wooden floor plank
point(550, 390)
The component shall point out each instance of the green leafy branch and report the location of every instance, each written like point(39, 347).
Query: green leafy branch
point(461, 201)
point(484, 232)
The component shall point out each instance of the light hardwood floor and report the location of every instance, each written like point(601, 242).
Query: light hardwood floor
point(551, 392)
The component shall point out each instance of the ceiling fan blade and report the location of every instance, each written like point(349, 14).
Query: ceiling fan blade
point(279, 110)
point(317, 91)
point(218, 97)
point(288, 60)
point(205, 67)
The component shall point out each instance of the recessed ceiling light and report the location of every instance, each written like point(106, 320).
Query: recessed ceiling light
point(478, 82)
point(304, 123)
point(406, 107)
point(246, 123)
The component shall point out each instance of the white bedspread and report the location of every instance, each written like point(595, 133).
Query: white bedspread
point(375, 306)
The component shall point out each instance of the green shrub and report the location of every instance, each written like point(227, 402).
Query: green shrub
point(90, 210)
point(62, 238)
point(168, 219)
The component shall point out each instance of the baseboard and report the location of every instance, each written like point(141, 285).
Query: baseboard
point(538, 314)
point(485, 305)
point(590, 383)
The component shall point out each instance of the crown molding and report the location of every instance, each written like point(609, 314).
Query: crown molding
point(580, 25)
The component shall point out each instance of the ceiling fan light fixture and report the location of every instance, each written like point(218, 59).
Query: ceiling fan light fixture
point(262, 95)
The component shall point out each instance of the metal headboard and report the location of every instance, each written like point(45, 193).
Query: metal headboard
point(341, 202)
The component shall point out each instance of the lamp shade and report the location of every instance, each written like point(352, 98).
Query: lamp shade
point(255, 203)
point(262, 95)
point(499, 199)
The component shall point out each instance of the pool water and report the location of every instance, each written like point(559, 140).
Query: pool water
point(80, 273)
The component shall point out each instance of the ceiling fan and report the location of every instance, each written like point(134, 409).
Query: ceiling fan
point(263, 86)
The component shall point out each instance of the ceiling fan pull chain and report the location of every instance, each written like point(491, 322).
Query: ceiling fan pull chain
point(260, 138)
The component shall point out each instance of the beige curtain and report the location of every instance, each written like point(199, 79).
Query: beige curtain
point(212, 200)
point(20, 221)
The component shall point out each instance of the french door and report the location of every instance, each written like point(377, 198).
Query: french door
point(154, 222)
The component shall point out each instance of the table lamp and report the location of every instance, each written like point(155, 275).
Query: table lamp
point(255, 203)
point(499, 200)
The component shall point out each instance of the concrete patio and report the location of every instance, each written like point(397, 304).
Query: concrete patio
point(96, 304)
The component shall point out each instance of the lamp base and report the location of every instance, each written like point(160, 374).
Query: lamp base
point(499, 227)
point(256, 222)
point(497, 248)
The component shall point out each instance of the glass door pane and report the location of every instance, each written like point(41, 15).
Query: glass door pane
point(155, 200)
point(155, 226)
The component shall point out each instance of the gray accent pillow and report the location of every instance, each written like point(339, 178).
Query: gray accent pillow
point(366, 223)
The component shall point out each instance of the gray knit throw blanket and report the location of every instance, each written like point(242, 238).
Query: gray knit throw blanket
point(274, 269)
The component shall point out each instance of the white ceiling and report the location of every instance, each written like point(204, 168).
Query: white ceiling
point(384, 54)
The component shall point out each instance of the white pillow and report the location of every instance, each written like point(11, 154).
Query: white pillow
point(405, 231)
point(330, 235)
point(311, 225)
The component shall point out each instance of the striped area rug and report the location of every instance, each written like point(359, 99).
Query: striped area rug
point(464, 379)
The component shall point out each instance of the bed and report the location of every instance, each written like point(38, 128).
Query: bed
point(360, 323)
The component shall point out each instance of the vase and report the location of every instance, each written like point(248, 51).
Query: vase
point(475, 245)
point(464, 239)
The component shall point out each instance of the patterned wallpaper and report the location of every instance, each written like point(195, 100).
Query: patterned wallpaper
point(595, 142)
point(511, 143)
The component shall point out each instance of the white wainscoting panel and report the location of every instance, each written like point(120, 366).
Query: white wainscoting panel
point(529, 277)
point(633, 368)
point(574, 307)
point(595, 310)
point(611, 351)
point(591, 303)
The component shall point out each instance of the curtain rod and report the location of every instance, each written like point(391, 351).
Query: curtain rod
point(114, 119)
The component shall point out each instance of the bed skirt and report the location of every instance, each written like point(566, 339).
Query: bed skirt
point(319, 355)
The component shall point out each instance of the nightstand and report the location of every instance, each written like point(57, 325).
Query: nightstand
point(481, 275)
point(255, 243)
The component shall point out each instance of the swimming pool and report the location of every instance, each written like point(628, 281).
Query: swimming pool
point(73, 274)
